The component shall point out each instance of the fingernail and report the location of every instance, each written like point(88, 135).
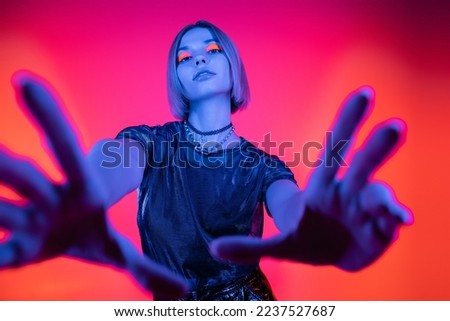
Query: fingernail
point(367, 91)
point(398, 125)
point(408, 219)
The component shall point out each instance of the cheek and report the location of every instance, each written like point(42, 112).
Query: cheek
point(225, 70)
point(182, 76)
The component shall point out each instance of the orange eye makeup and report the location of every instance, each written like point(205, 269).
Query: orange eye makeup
point(185, 55)
point(182, 56)
point(213, 46)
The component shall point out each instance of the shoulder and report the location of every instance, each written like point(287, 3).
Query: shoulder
point(273, 167)
point(172, 126)
point(145, 132)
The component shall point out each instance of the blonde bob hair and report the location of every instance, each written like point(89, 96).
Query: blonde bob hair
point(240, 93)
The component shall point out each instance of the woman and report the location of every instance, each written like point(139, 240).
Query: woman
point(201, 189)
point(206, 82)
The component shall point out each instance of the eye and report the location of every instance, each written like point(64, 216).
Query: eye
point(213, 48)
point(184, 56)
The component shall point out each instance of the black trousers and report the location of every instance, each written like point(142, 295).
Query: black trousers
point(252, 287)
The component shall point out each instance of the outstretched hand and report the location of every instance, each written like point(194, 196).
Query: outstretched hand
point(346, 222)
point(68, 218)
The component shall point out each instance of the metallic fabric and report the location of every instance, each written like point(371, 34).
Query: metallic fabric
point(187, 200)
point(252, 287)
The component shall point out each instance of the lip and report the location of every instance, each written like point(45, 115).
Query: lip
point(203, 73)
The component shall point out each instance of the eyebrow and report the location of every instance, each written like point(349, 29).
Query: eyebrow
point(187, 47)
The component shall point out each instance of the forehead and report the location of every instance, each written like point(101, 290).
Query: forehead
point(195, 37)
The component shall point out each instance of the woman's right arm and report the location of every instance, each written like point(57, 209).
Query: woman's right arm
point(70, 218)
point(119, 166)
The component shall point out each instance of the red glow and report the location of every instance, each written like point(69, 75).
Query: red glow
point(302, 58)
point(4, 235)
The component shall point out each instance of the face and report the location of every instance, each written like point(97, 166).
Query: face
point(202, 67)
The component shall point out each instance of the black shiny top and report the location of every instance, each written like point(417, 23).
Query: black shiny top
point(187, 199)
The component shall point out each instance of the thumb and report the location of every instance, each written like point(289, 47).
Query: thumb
point(243, 249)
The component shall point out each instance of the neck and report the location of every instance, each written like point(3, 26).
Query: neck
point(210, 114)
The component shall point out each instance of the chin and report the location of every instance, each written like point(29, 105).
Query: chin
point(209, 93)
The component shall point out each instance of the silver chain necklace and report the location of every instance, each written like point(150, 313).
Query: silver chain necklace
point(204, 147)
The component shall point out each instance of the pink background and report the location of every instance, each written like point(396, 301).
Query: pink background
point(107, 59)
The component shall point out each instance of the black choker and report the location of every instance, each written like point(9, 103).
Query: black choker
point(208, 133)
point(203, 146)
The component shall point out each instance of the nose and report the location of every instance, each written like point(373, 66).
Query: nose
point(200, 60)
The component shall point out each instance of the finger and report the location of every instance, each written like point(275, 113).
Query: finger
point(27, 180)
point(243, 249)
point(38, 99)
point(381, 144)
point(402, 213)
point(304, 245)
point(150, 275)
point(11, 253)
point(386, 226)
point(163, 283)
point(337, 141)
point(380, 198)
point(12, 217)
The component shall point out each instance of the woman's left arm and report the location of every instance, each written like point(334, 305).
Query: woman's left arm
point(347, 222)
point(286, 204)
